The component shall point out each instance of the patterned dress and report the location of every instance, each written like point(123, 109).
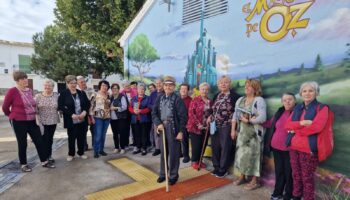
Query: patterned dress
point(248, 147)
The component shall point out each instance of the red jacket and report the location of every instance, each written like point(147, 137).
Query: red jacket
point(14, 101)
point(187, 100)
point(300, 141)
point(196, 114)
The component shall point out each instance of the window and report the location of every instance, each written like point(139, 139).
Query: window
point(192, 9)
point(6, 71)
point(24, 63)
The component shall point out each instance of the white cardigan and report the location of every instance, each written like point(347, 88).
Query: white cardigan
point(259, 111)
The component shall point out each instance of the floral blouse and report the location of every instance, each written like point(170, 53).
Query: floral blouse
point(197, 114)
point(100, 106)
point(222, 110)
point(47, 108)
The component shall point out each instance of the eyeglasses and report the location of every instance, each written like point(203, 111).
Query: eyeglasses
point(73, 83)
point(115, 88)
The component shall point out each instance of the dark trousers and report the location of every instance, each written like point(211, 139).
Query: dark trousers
point(197, 141)
point(120, 133)
point(283, 174)
point(173, 150)
point(221, 144)
point(49, 131)
point(303, 171)
point(185, 145)
point(21, 129)
point(141, 135)
point(76, 133)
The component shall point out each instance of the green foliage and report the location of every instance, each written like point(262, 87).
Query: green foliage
point(318, 63)
point(141, 54)
point(302, 69)
point(57, 54)
point(98, 22)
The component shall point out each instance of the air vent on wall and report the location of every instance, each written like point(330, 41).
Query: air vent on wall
point(192, 9)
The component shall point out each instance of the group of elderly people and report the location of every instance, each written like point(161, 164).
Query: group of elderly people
point(236, 126)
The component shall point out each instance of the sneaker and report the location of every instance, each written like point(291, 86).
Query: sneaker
point(70, 158)
point(51, 160)
point(48, 165)
point(276, 197)
point(221, 174)
point(84, 157)
point(102, 153)
point(195, 165)
point(144, 152)
point(156, 152)
point(122, 151)
point(116, 151)
point(186, 160)
point(136, 152)
point(26, 168)
point(214, 172)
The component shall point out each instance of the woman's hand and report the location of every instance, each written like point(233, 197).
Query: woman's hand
point(305, 122)
point(233, 134)
point(243, 119)
point(179, 136)
point(200, 126)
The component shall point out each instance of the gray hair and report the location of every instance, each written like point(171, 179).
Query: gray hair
point(80, 78)
point(125, 83)
point(312, 84)
point(70, 78)
point(204, 84)
point(141, 85)
point(224, 78)
point(50, 82)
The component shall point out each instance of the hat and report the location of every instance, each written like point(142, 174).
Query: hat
point(169, 80)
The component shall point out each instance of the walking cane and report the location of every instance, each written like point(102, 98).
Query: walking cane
point(203, 148)
point(165, 164)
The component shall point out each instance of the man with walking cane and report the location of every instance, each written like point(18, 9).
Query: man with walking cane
point(169, 114)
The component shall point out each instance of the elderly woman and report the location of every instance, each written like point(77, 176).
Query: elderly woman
point(47, 106)
point(140, 119)
point(222, 110)
point(100, 110)
point(307, 120)
point(19, 105)
point(249, 114)
point(119, 115)
point(75, 106)
point(198, 113)
point(275, 141)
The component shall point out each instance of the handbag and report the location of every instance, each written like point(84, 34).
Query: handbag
point(212, 127)
point(289, 138)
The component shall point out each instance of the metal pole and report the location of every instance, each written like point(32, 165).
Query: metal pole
point(165, 164)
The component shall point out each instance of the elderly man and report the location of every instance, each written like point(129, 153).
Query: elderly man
point(169, 114)
point(89, 91)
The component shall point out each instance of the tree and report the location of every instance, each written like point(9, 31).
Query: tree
point(99, 23)
point(318, 63)
point(141, 54)
point(279, 72)
point(57, 54)
point(302, 69)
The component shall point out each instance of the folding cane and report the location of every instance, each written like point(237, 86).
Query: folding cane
point(165, 164)
point(203, 148)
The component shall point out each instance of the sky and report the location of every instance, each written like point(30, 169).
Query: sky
point(21, 19)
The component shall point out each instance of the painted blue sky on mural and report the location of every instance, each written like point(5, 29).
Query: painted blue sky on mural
point(237, 55)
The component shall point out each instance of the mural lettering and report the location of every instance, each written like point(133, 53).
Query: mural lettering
point(291, 15)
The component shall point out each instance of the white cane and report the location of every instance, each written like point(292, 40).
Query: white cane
point(165, 164)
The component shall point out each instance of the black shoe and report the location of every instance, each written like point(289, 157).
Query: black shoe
point(51, 160)
point(156, 152)
point(96, 155)
point(102, 153)
point(136, 152)
point(214, 172)
point(296, 198)
point(172, 181)
point(48, 165)
point(160, 179)
point(186, 160)
point(221, 174)
point(276, 197)
point(144, 153)
point(26, 168)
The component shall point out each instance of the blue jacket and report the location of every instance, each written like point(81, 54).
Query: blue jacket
point(144, 107)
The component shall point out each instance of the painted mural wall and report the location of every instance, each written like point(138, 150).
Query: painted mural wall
point(280, 42)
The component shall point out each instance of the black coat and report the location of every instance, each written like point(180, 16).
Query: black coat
point(66, 104)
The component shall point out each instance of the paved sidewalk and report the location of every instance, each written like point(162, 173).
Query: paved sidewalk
point(74, 180)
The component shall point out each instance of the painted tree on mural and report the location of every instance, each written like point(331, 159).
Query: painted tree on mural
point(141, 53)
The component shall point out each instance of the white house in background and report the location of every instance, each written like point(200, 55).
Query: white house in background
point(17, 56)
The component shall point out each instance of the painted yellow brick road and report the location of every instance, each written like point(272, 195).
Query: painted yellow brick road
point(145, 180)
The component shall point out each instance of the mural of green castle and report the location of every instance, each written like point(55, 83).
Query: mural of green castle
point(201, 65)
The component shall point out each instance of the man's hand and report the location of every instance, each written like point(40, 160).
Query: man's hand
point(75, 117)
point(305, 122)
point(179, 136)
point(160, 128)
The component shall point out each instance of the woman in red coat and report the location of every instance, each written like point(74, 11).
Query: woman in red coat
point(197, 116)
point(307, 120)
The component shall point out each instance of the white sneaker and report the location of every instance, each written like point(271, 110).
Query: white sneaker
point(122, 151)
point(84, 157)
point(70, 158)
point(116, 151)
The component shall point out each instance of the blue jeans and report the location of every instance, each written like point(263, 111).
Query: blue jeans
point(101, 126)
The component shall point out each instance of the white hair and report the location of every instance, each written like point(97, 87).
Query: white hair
point(141, 85)
point(204, 84)
point(49, 82)
point(80, 78)
point(312, 84)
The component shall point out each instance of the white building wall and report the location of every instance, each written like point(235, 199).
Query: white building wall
point(9, 52)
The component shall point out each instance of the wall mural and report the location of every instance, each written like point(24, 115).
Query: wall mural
point(280, 42)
